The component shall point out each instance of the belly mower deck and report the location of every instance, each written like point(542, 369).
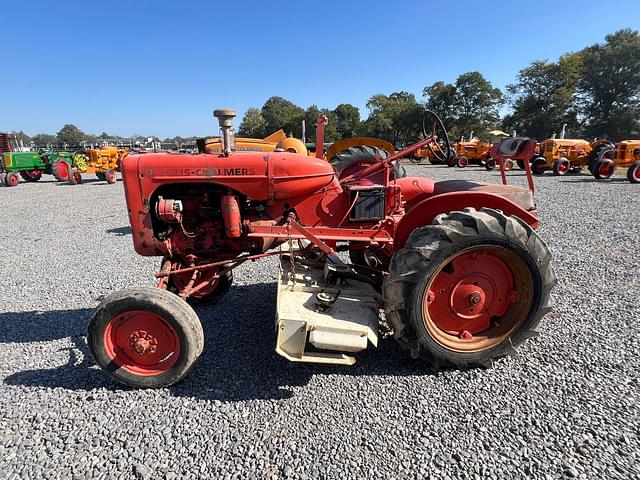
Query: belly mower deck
point(320, 322)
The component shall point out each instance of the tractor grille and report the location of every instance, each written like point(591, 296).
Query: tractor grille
point(7, 160)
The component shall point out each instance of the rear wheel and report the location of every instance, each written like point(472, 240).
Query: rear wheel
point(31, 176)
point(60, 169)
point(538, 166)
point(469, 288)
point(633, 173)
point(604, 150)
point(561, 166)
point(145, 337)
point(352, 159)
point(11, 180)
point(604, 169)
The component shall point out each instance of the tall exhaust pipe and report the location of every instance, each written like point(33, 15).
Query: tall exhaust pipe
point(225, 117)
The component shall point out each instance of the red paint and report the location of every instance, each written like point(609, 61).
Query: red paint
point(63, 171)
point(322, 121)
point(142, 343)
point(474, 287)
point(424, 212)
point(231, 216)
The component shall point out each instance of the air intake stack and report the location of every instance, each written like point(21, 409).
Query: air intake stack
point(225, 116)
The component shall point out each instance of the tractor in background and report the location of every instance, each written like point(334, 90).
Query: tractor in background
point(103, 162)
point(625, 154)
point(276, 141)
point(473, 152)
point(454, 269)
point(520, 150)
point(32, 165)
point(564, 155)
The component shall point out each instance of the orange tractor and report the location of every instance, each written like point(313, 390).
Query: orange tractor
point(625, 154)
point(103, 162)
point(278, 140)
point(473, 152)
point(564, 155)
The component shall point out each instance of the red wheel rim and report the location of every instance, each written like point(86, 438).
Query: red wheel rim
point(563, 167)
point(112, 177)
point(142, 343)
point(63, 170)
point(13, 180)
point(477, 298)
point(636, 173)
point(606, 169)
point(188, 280)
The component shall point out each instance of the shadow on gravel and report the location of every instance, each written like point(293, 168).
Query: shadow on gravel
point(238, 363)
point(590, 179)
point(120, 231)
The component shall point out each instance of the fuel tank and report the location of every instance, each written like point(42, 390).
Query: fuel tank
point(258, 175)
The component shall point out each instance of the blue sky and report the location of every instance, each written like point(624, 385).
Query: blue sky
point(161, 67)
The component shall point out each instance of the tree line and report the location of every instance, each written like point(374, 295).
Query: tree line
point(594, 92)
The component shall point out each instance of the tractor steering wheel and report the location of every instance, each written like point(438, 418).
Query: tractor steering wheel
point(442, 153)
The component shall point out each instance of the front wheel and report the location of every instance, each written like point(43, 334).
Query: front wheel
point(75, 177)
point(468, 289)
point(110, 176)
point(633, 173)
point(11, 180)
point(145, 337)
point(462, 162)
point(490, 164)
point(508, 164)
point(561, 166)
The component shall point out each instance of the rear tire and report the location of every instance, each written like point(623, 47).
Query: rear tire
point(145, 337)
point(598, 153)
point(506, 268)
point(603, 169)
point(633, 173)
point(345, 159)
point(538, 166)
point(60, 169)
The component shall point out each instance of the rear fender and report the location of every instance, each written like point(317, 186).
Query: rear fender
point(425, 211)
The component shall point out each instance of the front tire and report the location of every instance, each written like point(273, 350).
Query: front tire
point(561, 166)
point(633, 173)
point(145, 337)
point(468, 289)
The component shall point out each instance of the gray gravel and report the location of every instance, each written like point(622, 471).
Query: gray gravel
point(566, 407)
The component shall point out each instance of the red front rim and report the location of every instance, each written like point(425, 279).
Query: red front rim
point(13, 180)
point(636, 173)
point(477, 298)
point(112, 177)
point(142, 343)
point(563, 167)
point(187, 281)
point(63, 170)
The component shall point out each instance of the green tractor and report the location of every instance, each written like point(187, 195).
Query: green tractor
point(31, 165)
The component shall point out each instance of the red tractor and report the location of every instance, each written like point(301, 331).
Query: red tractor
point(454, 268)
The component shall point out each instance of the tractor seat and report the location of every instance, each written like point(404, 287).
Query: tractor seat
point(511, 146)
point(518, 195)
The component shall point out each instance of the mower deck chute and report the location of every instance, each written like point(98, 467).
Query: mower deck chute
point(318, 322)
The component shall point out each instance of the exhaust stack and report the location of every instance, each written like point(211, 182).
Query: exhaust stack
point(225, 117)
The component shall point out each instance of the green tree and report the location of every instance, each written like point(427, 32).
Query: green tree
point(477, 104)
point(43, 139)
point(253, 124)
point(544, 98)
point(281, 113)
point(70, 134)
point(441, 99)
point(347, 120)
point(396, 118)
point(610, 86)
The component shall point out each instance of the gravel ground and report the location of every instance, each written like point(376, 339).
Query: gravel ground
point(566, 406)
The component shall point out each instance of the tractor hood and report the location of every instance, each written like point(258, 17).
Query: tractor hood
point(257, 175)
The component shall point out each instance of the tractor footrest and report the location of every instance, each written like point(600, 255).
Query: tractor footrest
point(336, 322)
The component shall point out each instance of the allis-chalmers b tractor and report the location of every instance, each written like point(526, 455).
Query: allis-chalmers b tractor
point(624, 154)
point(454, 268)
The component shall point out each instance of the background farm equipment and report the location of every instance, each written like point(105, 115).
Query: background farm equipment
point(625, 154)
point(32, 165)
point(474, 152)
point(103, 162)
point(276, 141)
point(455, 268)
point(566, 155)
point(520, 150)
